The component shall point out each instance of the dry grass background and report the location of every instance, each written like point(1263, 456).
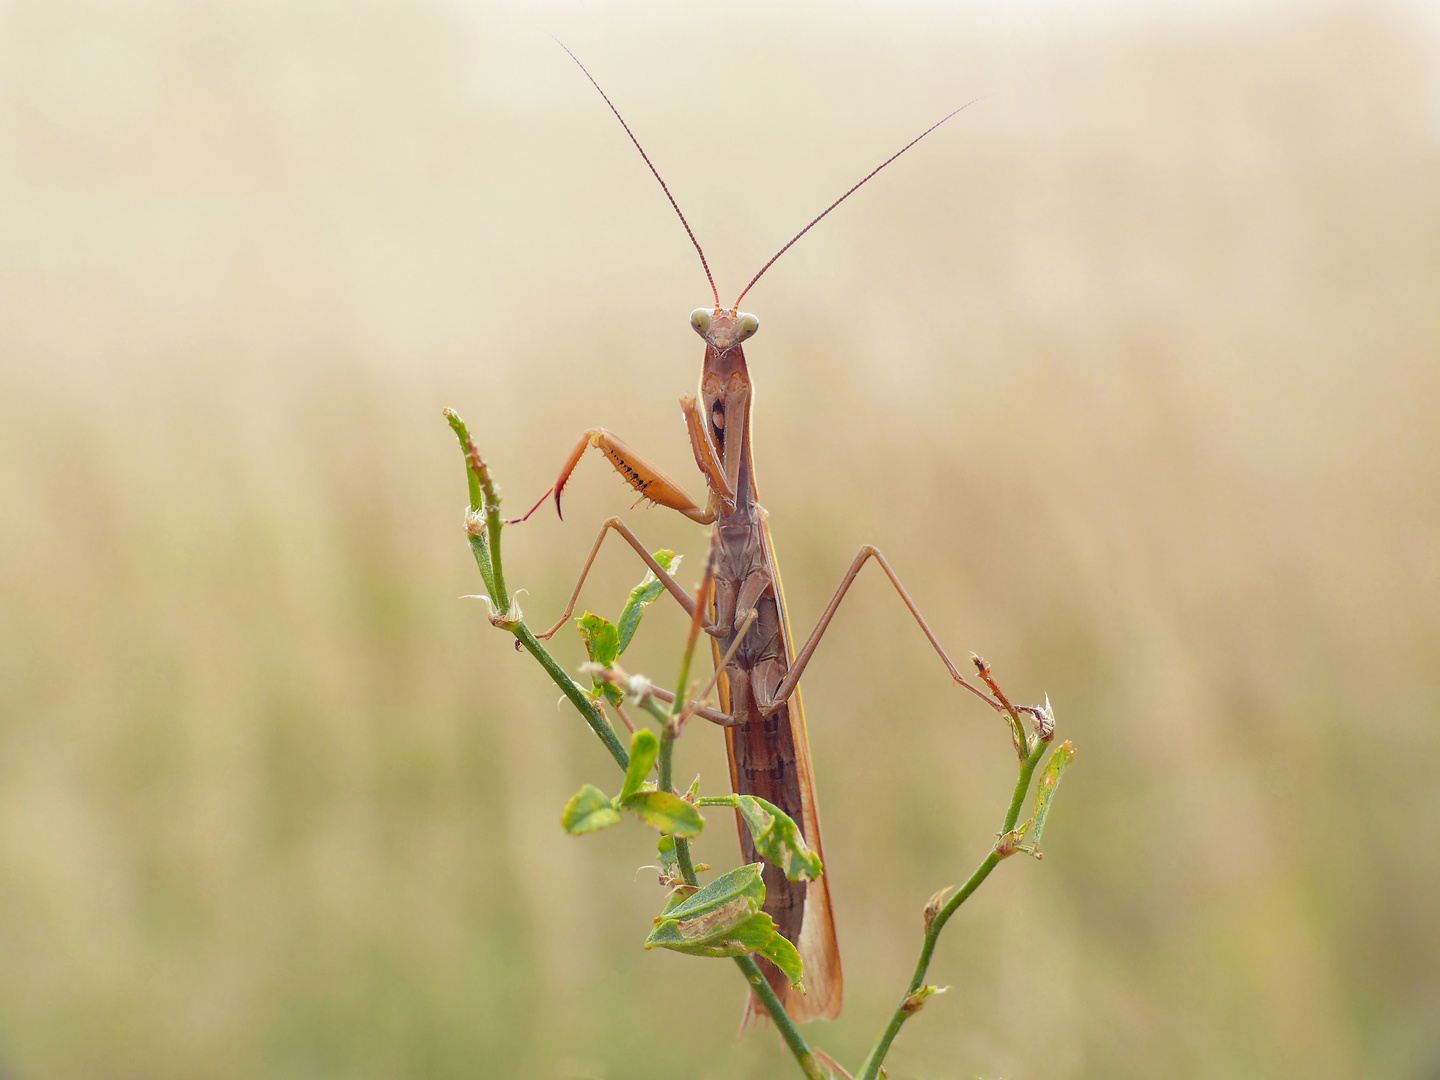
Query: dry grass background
point(1132, 370)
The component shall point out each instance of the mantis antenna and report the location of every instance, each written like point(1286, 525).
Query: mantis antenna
point(842, 198)
point(663, 187)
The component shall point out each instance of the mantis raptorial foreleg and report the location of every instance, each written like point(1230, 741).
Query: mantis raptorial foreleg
point(707, 455)
point(653, 484)
point(649, 480)
point(769, 699)
point(671, 586)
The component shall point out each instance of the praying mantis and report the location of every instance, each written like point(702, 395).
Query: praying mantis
point(758, 666)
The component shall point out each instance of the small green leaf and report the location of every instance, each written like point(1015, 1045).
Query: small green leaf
point(642, 596)
point(717, 920)
point(602, 640)
point(707, 929)
point(1045, 789)
point(665, 811)
point(644, 749)
point(724, 919)
point(602, 643)
point(669, 863)
point(753, 934)
point(587, 811)
point(777, 838)
point(743, 881)
point(784, 956)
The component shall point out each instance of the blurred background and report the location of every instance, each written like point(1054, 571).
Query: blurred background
point(1132, 369)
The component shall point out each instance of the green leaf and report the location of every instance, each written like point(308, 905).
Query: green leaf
point(1045, 789)
point(784, 956)
point(644, 749)
point(724, 919)
point(642, 596)
point(602, 643)
point(754, 934)
point(602, 640)
point(669, 862)
point(589, 809)
point(717, 920)
point(665, 811)
point(777, 838)
point(743, 881)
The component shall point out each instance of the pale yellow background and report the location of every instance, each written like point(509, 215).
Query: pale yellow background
point(1132, 369)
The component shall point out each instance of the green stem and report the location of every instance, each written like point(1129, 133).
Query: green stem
point(481, 491)
point(682, 857)
point(481, 551)
point(907, 1008)
point(666, 783)
point(1022, 785)
point(788, 1031)
point(463, 434)
point(492, 570)
point(581, 700)
point(493, 521)
point(666, 757)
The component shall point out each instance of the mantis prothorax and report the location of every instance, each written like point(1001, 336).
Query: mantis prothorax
point(758, 686)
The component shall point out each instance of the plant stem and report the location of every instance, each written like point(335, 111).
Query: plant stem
point(488, 558)
point(463, 434)
point(581, 700)
point(1022, 784)
point(483, 493)
point(671, 721)
point(906, 1008)
point(788, 1031)
point(666, 783)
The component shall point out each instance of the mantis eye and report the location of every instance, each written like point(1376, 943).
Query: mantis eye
point(747, 326)
point(700, 320)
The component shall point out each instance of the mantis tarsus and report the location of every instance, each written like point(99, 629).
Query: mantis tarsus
point(759, 685)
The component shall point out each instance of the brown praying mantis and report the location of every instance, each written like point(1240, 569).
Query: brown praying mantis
point(758, 666)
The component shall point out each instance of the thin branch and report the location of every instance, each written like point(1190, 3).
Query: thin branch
point(909, 1003)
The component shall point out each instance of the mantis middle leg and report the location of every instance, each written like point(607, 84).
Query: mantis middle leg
point(671, 585)
point(768, 699)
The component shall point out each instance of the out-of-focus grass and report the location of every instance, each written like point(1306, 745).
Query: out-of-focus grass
point(1132, 371)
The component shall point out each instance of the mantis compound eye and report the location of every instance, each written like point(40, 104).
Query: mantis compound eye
point(700, 320)
point(746, 326)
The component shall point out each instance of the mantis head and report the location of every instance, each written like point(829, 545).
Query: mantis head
point(722, 329)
